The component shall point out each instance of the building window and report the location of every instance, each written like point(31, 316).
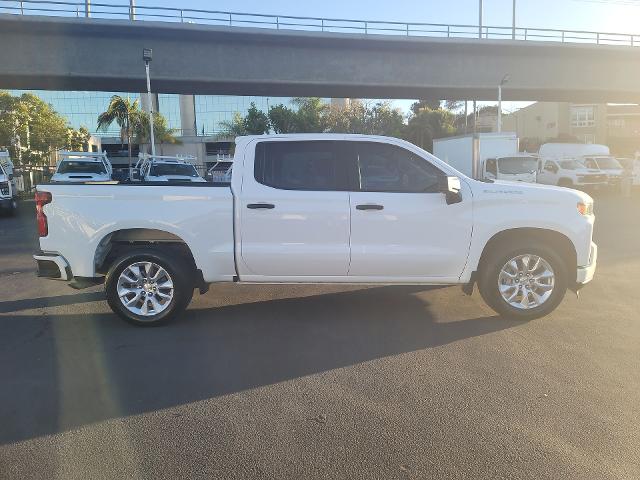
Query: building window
point(616, 122)
point(583, 116)
point(588, 138)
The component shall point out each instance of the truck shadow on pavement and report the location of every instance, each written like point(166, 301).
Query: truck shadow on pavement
point(43, 302)
point(62, 372)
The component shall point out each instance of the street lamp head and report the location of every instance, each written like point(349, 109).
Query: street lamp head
point(147, 54)
point(505, 79)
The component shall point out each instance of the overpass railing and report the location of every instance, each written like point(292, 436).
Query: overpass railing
point(128, 11)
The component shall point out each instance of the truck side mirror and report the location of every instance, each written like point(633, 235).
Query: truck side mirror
point(450, 186)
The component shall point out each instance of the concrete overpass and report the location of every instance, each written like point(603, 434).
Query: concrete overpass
point(106, 55)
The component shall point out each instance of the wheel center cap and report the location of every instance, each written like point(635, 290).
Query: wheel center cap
point(147, 287)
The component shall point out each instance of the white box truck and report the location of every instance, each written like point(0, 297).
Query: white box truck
point(492, 156)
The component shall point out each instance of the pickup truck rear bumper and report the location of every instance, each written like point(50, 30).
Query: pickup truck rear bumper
point(585, 274)
point(53, 266)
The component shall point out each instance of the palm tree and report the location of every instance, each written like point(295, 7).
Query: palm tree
point(120, 110)
point(161, 131)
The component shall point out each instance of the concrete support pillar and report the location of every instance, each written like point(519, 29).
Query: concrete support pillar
point(144, 103)
point(188, 114)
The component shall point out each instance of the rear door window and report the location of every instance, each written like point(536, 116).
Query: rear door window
point(305, 165)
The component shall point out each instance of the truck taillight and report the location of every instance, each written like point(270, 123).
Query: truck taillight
point(42, 198)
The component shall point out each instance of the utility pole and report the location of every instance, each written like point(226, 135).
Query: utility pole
point(87, 8)
point(480, 19)
point(147, 54)
point(504, 80)
point(132, 10)
point(466, 116)
point(513, 22)
point(475, 118)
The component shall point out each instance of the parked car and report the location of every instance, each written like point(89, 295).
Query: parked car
point(168, 169)
point(319, 208)
point(82, 167)
point(8, 193)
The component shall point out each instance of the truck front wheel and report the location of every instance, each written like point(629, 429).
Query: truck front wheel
point(147, 287)
point(524, 282)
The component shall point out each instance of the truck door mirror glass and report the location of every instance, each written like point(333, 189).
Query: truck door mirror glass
point(450, 186)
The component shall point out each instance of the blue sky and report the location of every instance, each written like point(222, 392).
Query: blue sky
point(602, 15)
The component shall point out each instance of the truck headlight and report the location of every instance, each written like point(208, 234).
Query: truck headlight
point(585, 208)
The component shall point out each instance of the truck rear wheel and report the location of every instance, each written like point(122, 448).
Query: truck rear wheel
point(147, 287)
point(523, 282)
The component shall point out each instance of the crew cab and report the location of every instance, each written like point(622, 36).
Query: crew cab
point(319, 208)
point(607, 165)
point(168, 169)
point(570, 173)
point(82, 167)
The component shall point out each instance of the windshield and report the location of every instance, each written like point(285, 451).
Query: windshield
point(516, 165)
point(173, 169)
point(607, 162)
point(570, 165)
point(76, 166)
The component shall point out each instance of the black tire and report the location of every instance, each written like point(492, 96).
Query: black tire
point(490, 270)
point(182, 274)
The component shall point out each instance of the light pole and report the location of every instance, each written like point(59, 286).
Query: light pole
point(504, 80)
point(480, 19)
point(513, 22)
point(147, 53)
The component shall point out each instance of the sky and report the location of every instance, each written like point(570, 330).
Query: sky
point(596, 15)
point(615, 16)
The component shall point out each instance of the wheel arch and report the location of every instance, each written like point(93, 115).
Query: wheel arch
point(114, 243)
point(557, 240)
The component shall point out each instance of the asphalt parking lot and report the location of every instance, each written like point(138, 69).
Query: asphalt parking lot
point(322, 382)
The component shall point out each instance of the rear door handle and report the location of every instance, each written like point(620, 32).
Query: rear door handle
point(369, 206)
point(267, 206)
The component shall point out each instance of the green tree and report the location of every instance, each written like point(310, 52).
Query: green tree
point(359, 117)
point(77, 140)
point(428, 124)
point(121, 111)
point(430, 104)
point(283, 119)
point(162, 134)
point(255, 122)
point(310, 114)
point(30, 127)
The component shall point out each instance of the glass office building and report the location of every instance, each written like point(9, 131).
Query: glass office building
point(83, 108)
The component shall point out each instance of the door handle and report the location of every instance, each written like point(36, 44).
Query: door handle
point(369, 206)
point(267, 206)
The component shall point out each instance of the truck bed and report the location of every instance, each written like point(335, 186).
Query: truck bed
point(81, 216)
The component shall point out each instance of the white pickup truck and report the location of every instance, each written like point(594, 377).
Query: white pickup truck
point(319, 208)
